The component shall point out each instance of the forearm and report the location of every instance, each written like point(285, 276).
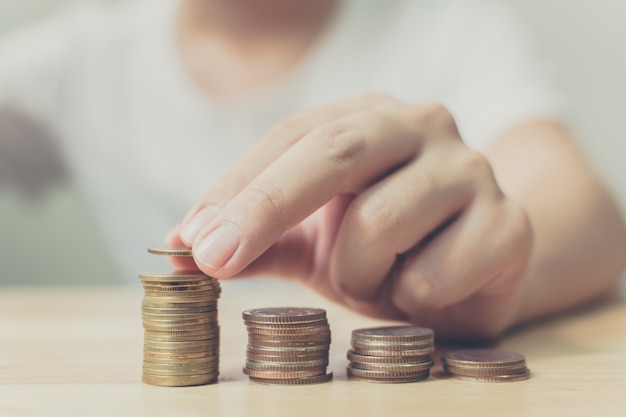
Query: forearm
point(579, 236)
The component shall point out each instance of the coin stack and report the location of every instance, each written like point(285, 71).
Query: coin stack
point(486, 365)
point(287, 346)
point(391, 355)
point(181, 340)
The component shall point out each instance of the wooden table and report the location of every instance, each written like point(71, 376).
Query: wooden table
point(78, 352)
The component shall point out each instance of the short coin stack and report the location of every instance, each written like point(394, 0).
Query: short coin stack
point(179, 313)
point(287, 345)
point(390, 355)
point(486, 365)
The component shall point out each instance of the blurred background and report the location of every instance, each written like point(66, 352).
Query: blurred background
point(584, 39)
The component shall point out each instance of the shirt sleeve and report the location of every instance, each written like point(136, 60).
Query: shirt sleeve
point(499, 79)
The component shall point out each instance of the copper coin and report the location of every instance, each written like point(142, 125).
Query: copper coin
point(286, 366)
point(287, 326)
point(292, 358)
point(321, 338)
point(395, 334)
point(391, 346)
point(397, 353)
point(284, 315)
point(171, 250)
point(401, 368)
point(289, 332)
point(484, 372)
point(295, 381)
point(483, 358)
point(387, 360)
point(496, 378)
point(396, 380)
point(282, 375)
point(364, 373)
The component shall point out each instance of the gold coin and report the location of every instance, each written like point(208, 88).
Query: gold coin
point(180, 381)
point(178, 373)
point(176, 276)
point(171, 250)
point(154, 355)
point(185, 361)
point(295, 381)
point(174, 345)
point(205, 363)
point(285, 315)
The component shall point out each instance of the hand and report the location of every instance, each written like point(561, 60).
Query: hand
point(377, 205)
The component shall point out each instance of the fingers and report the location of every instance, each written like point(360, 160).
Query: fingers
point(482, 253)
point(261, 155)
point(340, 157)
point(391, 217)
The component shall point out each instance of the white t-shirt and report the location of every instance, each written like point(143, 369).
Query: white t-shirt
point(144, 142)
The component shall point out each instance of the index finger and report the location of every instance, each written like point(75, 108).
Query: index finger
point(341, 157)
point(260, 156)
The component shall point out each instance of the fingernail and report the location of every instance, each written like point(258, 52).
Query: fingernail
point(219, 246)
point(198, 222)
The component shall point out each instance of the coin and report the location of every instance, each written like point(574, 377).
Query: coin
point(284, 315)
point(495, 378)
point(171, 250)
point(295, 381)
point(176, 276)
point(180, 381)
point(393, 334)
point(486, 365)
point(392, 354)
point(389, 369)
point(287, 345)
point(483, 358)
point(389, 360)
point(286, 366)
point(484, 372)
point(179, 315)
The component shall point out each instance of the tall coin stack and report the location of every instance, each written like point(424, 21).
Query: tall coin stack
point(287, 346)
point(390, 355)
point(179, 313)
point(486, 365)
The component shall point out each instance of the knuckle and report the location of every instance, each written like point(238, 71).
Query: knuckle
point(415, 291)
point(342, 143)
point(375, 219)
point(267, 198)
point(475, 164)
point(436, 116)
